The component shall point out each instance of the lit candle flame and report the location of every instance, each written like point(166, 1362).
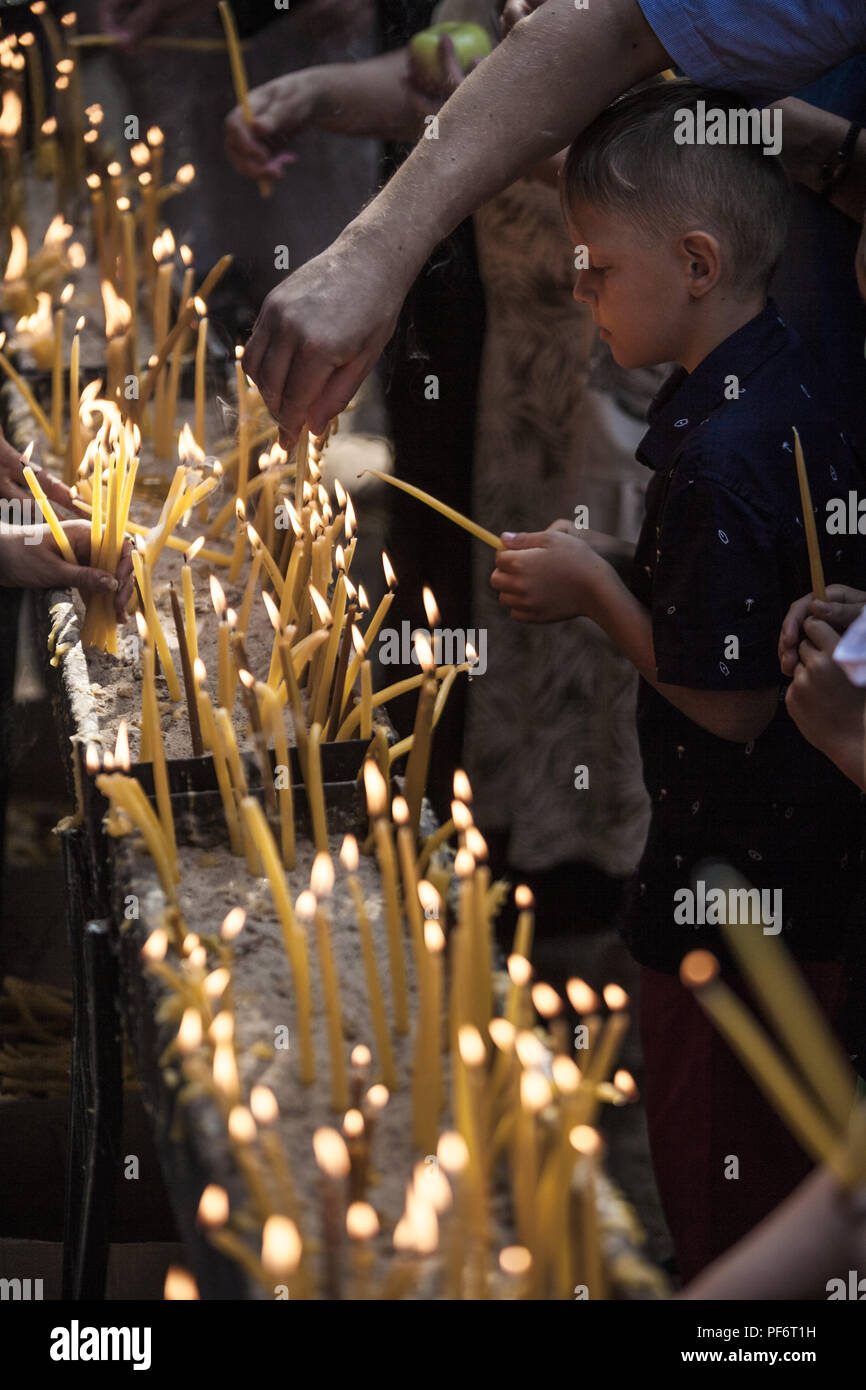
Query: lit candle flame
point(431, 607)
point(218, 598)
point(263, 1104)
point(390, 574)
point(546, 1000)
point(615, 997)
point(121, 747)
point(376, 790)
point(118, 315)
point(213, 1206)
point(17, 262)
point(180, 1287)
point(233, 923)
point(331, 1153)
point(281, 1246)
point(462, 786)
point(582, 999)
point(349, 854)
point(519, 970)
point(362, 1223)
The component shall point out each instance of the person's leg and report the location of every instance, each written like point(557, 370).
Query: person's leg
point(722, 1158)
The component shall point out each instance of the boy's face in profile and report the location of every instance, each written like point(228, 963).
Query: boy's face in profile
point(637, 289)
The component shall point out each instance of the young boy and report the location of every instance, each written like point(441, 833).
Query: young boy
point(681, 240)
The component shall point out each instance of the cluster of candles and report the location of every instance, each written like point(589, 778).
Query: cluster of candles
point(499, 1106)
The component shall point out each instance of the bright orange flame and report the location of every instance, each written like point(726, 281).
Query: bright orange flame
point(10, 115)
point(390, 573)
point(118, 315)
point(17, 262)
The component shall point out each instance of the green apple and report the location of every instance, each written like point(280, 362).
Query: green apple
point(470, 42)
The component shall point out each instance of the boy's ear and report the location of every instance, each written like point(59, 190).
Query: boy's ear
point(701, 259)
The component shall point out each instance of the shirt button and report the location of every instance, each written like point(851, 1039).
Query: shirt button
point(678, 424)
point(723, 538)
point(672, 609)
point(755, 854)
point(789, 811)
point(749, 748)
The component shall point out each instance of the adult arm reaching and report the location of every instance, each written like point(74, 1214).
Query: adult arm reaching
point(320, 332)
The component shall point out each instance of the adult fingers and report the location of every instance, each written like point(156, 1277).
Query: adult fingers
point(55, 490)
point(341, 386)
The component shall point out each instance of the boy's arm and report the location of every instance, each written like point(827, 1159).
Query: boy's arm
point(551, 575)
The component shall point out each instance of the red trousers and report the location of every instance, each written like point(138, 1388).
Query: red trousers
point(704, 1111)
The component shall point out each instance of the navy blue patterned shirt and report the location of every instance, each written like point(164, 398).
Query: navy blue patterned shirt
point(721, 556)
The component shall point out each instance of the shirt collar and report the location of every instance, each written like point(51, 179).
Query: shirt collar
point(687, 398)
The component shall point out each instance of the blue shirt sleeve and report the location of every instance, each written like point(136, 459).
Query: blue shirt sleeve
point(766, 50)
point(717, 602)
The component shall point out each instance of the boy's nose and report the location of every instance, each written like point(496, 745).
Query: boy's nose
point(582, 293)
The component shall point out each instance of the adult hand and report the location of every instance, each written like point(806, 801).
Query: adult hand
point(15, 489)
point(547, 576)
point(841, 607)
point(30, 559)
point(130, 21)
point(423, 89)
point(825, 706)
point(349, 296)
point(281, 110)
point(515, 10)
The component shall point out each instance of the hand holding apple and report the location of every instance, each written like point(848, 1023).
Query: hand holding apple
point(441, 56)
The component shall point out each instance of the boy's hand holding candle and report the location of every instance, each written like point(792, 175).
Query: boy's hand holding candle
point(547, 576)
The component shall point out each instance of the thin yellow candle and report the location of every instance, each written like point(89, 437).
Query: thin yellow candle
point(815, 567)
point(32, 404)
point(377, 805)
point(367, 699)
point(225, 689)
point(50, 516)
point(372, 629)
point(434, 945)
point(448, 512)
point(37, 92)
point(128, 795)
point(143, 576)
point(294, 940)
point(57, 382)
point(349, 857)
point(130, 274)
point(310, 905)
point(239, 77)
point(184, 319)
point(97, 210)
point(700, 972)
point(74, 452)
point(200, 363)
point(188, 590)
point(315, 788)
point(272, 719)
point(419, 758)
point(243, 460)
point(213, 740)
point(158, 763)
point(787, 1001)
